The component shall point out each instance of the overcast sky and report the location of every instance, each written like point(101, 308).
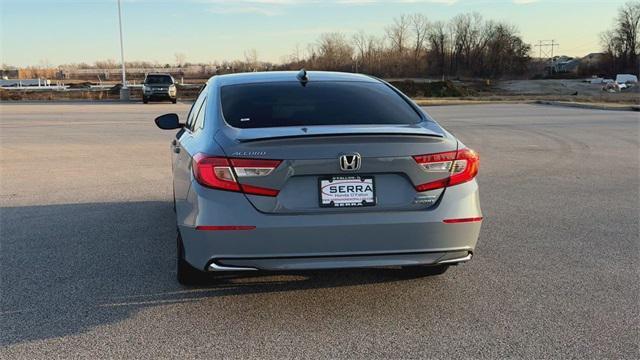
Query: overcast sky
point(36, 32)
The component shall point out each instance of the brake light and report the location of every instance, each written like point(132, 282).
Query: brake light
point(461, 165)
point(220, 173)
point(214, 172)
point(462, 220)
point(256, 190)
point(465, 168)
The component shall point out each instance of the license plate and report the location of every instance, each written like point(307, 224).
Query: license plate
point(347, 191)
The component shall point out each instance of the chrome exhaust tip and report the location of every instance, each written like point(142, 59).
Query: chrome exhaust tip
point(457, 260)
point(217, 268)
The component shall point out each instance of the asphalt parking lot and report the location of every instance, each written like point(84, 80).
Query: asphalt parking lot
point(87, 250)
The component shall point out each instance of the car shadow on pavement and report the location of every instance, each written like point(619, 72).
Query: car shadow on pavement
point(66, 269)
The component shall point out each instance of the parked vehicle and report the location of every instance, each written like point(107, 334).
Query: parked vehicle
point(318, 170)
point(159, 87)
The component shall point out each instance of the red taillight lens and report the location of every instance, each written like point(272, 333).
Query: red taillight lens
point(465, 168)
point(214, 172)
point(461, 165)
point(462, 220)
point(438, 184)
point(220, 173)
point(256, 190)
point(440, 162)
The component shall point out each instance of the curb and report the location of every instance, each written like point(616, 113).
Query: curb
point(589, 106)
point(472, 102)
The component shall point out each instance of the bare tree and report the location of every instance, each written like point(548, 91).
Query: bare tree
point(438, 45)
point(466, 45)
point(420, 27)
point(506, 52)
point(398, 34)
point(106, 64)
point(251, 60)
point(181, 58)
point(622, 42)
point(367, 48)
point(469, 35)
point(333, 52)
point(296, 53)
point(628, 29)
point(360, 40)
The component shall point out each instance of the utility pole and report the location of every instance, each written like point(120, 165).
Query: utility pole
point(124, 91)
point(553, 44)
point(545, 47)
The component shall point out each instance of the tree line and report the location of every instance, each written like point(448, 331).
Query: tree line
point(467, 45)
point(414, 46)
point(411, 46)
point(621, 43)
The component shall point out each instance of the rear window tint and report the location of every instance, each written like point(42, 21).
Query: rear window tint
point(318, 103)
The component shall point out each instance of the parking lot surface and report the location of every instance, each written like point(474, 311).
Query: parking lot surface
point(87, 243)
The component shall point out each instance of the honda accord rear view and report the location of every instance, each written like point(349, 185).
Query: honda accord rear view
point(317, 170)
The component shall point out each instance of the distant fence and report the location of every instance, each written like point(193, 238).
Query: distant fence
point(199, 71)
point(24, 82)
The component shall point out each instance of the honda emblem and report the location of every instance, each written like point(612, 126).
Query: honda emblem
point(350, 162)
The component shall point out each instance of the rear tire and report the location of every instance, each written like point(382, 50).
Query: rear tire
point(174, 100)
point(145, 100)
point(431, 270)
point(174, 200)
point(187, 274)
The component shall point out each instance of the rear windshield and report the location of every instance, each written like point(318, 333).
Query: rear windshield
point(318, 103)
point(158, 79)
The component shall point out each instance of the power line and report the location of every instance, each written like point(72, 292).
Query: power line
point(545, 47)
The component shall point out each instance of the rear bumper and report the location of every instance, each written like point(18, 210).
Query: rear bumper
point(159, 96)
point(341, 262)
point(322, 241)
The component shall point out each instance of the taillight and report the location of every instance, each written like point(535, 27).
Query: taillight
point(465, 168)
point(251, 167)
point(214, 172)
point(462, 220)
point(461, 165)
point(220, 173)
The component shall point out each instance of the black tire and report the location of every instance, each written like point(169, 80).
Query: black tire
point(145, 100)
point(432, 270)
point(187, 274)
point(174, 100)
point(174, 200)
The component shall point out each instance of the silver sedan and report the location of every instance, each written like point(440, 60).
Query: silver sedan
point(317, 170)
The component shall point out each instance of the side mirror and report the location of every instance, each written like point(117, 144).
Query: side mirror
point(168, 122)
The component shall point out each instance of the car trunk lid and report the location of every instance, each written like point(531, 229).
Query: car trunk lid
point(311, 157)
